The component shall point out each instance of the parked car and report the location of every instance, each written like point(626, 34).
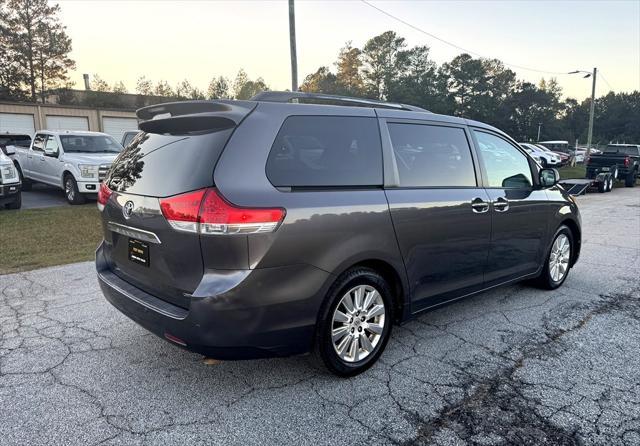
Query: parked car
point(547, 158)
point(75, 161)
point(245, 229)
point(621, 160)
point(128, 137)
point(556, 146)
point(532, 154)
point(564, 158)
point(10, 194)
point(9, 141)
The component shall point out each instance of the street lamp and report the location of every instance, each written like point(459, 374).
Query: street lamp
point(592, 108)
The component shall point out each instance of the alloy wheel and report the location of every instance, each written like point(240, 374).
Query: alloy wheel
point(559, 258)
point(358, 323)
point(68, 188)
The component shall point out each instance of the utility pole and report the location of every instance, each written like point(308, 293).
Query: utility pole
point(292, 43)
point(539, 126)
point(591, 113)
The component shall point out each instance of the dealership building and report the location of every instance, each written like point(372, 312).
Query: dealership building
point(111, 113)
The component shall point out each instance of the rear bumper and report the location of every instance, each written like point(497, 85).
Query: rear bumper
point(242, 314)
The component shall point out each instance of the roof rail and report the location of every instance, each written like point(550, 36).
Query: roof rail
point(331, 99)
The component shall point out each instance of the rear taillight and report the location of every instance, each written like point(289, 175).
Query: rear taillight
point(627, 161)
point(103, 195)
point(205, 211)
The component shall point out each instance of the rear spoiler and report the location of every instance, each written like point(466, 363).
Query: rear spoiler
point(193, 116)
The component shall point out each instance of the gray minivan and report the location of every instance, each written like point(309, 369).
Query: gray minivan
point(296, 222)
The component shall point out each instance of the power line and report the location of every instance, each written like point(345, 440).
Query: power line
point(420, 30)
point(605, 81)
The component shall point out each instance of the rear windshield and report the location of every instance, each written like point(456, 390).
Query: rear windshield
point(622, 150)
point(163, 165)
point(15, 140)
point(90, 144)
point(326, 151)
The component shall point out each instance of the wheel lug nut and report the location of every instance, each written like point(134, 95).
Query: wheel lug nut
point(352, 329)
point(362, 318)
point(359, 328)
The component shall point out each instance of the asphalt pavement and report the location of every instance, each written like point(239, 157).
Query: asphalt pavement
point(515, 365)
point(43, 196)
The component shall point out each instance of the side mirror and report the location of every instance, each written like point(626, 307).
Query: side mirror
point(549, 177)
point(9, 150)
point(51, 152)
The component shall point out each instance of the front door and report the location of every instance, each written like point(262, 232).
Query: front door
point(51, 163)
point(35, 158)
point(519, 211)
point(440, 214)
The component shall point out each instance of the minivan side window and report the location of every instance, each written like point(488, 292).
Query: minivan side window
point(432, 156)
point(38, 142)
point(506, 166)
point(326, 151)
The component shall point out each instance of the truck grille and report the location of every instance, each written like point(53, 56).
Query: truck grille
point(103, 169)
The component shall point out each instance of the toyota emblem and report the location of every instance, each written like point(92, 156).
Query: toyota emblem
point(127, 209)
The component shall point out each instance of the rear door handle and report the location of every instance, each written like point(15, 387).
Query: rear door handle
point(479, 206)
point(501, 204)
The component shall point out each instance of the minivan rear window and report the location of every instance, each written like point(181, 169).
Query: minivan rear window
point(326, 151)
point(162, 165)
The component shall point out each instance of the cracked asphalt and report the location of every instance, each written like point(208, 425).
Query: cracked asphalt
point(515, 365)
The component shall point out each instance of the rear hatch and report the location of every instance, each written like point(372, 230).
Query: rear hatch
point(173, 155)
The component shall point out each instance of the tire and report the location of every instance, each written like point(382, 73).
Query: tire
point(16, 204)
point(614, 174)
point(602, 186)
point(71, 191)
point(548, 278)
point(26, 184)
point(630, 179)
point(358, 280)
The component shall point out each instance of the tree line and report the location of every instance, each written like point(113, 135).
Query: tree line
point(35, 60)
point(475, 88)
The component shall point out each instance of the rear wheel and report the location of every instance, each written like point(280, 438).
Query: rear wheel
point(630, 179)
point(602, 185)
point(558, 260)
point(355, 322)
point(71, 191)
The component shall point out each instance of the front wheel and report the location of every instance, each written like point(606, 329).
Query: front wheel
point(558, 260)
point(26, 183)
point(355, 322)
point(71, 191)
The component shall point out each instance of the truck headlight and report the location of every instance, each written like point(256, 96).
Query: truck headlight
point(88, 171)
point(8, 172)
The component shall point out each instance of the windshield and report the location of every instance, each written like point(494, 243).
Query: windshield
point(622, 150)
point(90, 144)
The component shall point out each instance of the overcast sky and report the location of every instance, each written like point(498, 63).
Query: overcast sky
point(196, 40)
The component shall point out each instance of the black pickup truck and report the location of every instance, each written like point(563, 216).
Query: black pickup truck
point(622, 160)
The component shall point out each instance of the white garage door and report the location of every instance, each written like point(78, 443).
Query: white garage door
point(17, 123)
point(67, 123)
point(117, 126)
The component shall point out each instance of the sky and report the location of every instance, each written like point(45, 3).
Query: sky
point(199, 40)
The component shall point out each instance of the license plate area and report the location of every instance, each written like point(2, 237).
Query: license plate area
point(604, 169)
point(138, 252)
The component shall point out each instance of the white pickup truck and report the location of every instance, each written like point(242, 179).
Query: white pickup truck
point(73, 161)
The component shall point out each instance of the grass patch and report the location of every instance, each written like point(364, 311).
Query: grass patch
point(35, 238)
point(578, 171)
